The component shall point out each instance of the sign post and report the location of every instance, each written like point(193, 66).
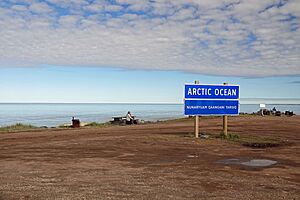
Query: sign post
point(225, 122)
point(196, 123)
point(216, 100)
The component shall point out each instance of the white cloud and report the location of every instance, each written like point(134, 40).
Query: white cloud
point(113, 8)
point(95, 7)
point(69, 21)
point(19, 8)
point(40, 8)
point(239, 38)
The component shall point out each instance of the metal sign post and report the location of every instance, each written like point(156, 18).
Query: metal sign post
point(225, 122)
point(196, 123)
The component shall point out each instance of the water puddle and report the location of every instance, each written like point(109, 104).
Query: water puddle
point(248, 162)
point(259, 163)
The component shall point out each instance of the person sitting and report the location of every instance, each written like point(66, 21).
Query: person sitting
point(273, 110)
point(129, 118)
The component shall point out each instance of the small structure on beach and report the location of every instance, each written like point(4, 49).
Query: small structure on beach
point(121, 120)
point(75, 123)
point(277, 113)
point(289, 113)
point(263, 110)
point(274, 111)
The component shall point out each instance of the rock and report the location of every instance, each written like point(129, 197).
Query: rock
point(203, 136)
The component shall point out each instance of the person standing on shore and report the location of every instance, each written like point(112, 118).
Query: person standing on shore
point(129, 118)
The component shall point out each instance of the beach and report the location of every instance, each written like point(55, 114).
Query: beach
point(153, 161)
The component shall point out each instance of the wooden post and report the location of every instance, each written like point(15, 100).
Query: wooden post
point(225, 122)
point(196, 123)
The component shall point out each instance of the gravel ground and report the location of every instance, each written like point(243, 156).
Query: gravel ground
point(154, 161)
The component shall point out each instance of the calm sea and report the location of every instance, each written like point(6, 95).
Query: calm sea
point(56, 114)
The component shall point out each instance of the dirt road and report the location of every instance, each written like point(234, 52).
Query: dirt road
point(154, 161)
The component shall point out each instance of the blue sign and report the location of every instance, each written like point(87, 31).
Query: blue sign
point(212, 91)
point(211, 99)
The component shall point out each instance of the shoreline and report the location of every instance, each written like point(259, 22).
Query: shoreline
point(53, 115)
point(22, 127)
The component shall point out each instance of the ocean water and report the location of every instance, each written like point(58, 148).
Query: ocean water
point(43, 114)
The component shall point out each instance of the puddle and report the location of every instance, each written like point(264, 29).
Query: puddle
point(248, 162)
point(192, 156)
point(259, 163)
point(229, 161)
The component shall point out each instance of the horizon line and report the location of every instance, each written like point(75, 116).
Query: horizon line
point(242, 101)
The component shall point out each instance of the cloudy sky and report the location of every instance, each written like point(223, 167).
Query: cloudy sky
point(253, 43)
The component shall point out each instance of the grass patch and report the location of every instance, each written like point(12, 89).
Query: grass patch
point(230, 136)
point(260, 142)
point(17, 127)
point(173, 120)
point(65, 126)
point(99, 125)
point(192, 118)
point(252, 141)
point(91, 124)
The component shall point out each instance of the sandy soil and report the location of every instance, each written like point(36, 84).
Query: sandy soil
point(154, 161)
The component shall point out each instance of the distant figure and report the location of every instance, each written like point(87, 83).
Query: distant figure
point(129, 118)
point(261, 112)
point(274, 109)
point(75, 123)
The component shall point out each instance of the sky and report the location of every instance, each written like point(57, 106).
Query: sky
point(145, 50)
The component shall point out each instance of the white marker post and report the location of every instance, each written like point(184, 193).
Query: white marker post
point(196, 121)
